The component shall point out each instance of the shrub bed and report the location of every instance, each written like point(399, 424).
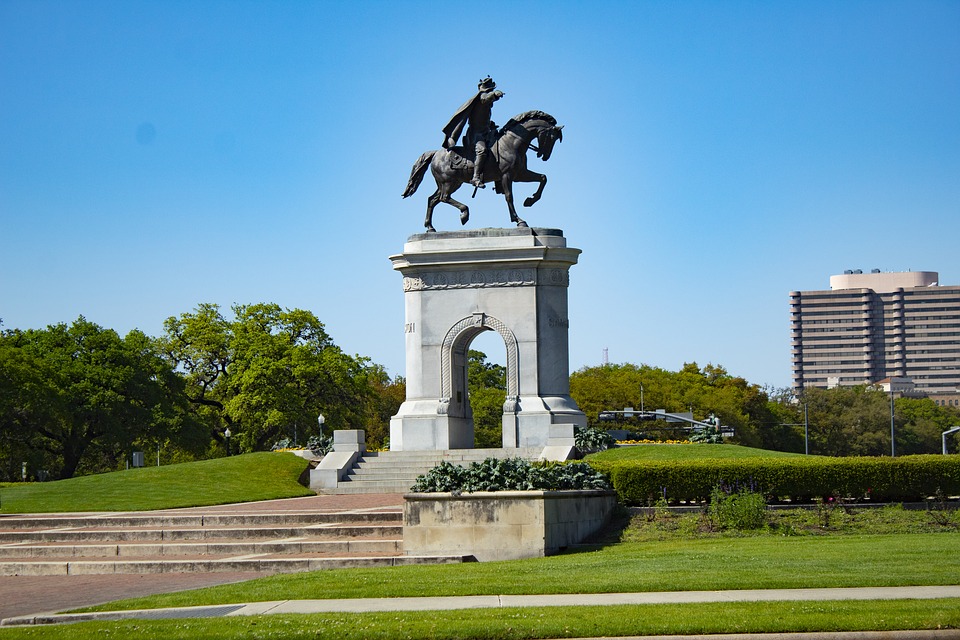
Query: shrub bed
point(511, 474)
point(909, 478)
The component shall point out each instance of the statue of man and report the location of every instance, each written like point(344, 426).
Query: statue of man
point(481, 130)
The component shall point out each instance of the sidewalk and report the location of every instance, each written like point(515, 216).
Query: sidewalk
point(494, 601)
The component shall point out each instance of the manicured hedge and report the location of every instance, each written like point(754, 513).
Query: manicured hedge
point(909, 478)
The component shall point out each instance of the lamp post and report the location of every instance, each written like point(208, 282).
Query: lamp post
point(320, 421)
point(226, 436)
point(893, 442)
point(806, 429)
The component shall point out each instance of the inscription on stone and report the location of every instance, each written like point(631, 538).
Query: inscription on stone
point(472, 279)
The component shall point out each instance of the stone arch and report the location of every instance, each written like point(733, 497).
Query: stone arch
point(453, 358)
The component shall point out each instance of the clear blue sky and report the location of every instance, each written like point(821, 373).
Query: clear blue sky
point(716, 156)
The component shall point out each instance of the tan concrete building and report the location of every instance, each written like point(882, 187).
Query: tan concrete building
point(871, 326)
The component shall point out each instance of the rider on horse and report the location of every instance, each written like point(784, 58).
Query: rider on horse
point(481, 130)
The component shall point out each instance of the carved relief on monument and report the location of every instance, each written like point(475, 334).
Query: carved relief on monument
point(470, 324)
point(554, 277)
point(474, 279)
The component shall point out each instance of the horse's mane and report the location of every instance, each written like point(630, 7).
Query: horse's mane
point(530, 115)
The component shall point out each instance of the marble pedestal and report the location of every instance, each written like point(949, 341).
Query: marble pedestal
point(459, 284)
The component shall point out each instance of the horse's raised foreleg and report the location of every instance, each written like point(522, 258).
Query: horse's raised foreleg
point(506, 185)
point(525, 175)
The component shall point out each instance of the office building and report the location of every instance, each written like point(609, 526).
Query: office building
point(871, 326)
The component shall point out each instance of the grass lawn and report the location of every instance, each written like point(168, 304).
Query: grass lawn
point(686, 452)
point(254, 476)
point(663, 553)
point(658, 551)
point(553, 622)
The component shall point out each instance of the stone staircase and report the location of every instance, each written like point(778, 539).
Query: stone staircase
point(396, 471)
point(186, 540)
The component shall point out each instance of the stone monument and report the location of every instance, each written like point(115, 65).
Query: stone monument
point(459, 284)
point(462, 283)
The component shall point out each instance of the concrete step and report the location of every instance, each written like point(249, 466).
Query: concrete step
point(258, 539)
point(387, 469)
point(221, 548)
point(162, 520)
point(239, 563)
point(355, 487)
point(108, 534)
point(397, 471)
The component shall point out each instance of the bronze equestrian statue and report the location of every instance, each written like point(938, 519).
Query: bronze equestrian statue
point(505, 149)
point(481, 129)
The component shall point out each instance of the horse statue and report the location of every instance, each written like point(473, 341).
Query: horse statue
point(506, 163)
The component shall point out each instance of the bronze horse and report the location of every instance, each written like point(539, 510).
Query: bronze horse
point(506, 163)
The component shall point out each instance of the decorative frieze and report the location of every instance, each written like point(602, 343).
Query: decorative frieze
point(485, 278)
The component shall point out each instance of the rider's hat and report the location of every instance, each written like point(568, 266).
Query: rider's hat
point(487, 84)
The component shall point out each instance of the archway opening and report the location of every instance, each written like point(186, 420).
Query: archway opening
point(487, 388)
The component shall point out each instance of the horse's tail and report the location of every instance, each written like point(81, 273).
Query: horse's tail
point(419, 170)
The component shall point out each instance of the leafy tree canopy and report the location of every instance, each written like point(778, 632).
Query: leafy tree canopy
point(706, 390)
point(82, 396)
point(267, 372)
point(487, 386)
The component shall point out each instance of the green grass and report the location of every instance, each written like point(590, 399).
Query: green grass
point(686, 452)
point(657, 552)
point(254, 476)
point(552, 622)
point(679, 564)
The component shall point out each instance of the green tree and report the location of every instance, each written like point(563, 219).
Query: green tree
point(267, 372)
point(855, 420)
point(84, 397)
point(784, 432)
point(388, 395)
point(923, 423)
point(710, 390)
point(487, 388)
point(27, 397)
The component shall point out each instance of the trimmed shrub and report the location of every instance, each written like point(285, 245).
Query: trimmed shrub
point(708, 435)
point(741, 510)
point(910, 478)
point(591, 440)
point(320, 445)
point(511, 474)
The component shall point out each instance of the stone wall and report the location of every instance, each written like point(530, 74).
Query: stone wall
point(502, 525)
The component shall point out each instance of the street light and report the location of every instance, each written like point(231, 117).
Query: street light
point(226, 435)
point(320, 421)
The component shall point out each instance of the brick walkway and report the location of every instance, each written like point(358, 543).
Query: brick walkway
point(25, 595)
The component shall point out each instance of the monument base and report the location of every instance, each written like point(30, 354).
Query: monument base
point(418, 425)
point(456, 286)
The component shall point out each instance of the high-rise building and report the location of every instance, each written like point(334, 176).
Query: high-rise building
point(872, 326)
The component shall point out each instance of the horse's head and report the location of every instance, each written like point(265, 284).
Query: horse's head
point(546, 139)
